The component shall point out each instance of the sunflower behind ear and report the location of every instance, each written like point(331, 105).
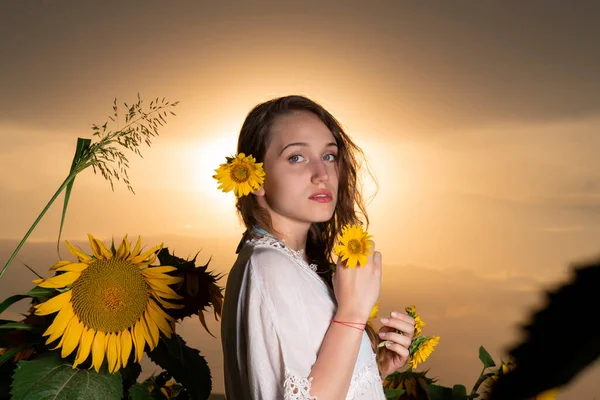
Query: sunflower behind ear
point(553, 352)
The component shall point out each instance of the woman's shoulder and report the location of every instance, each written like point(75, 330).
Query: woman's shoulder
point(267, 253)
point(269, 258)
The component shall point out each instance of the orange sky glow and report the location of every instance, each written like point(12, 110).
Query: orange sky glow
point(482, 136)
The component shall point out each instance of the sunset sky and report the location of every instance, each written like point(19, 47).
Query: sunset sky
point(480, 122)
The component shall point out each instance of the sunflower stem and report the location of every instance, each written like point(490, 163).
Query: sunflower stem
point(482, 378)
point(60, 189)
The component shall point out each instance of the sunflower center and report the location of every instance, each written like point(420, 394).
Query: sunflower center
point(240, 173)
point(110, 295)
point(354, 246)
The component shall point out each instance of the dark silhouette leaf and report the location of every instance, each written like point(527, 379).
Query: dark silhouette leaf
point(544, 361)
point(185, 364)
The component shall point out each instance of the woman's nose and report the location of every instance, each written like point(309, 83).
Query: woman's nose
point(320, 173)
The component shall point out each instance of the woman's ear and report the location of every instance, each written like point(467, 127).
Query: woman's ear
point(260, 192)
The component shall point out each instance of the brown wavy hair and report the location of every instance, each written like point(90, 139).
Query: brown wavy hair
point(254, 138)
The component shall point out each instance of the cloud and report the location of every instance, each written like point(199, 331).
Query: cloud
point(421, 66)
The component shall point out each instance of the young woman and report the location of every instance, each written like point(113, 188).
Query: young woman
point(291, 329)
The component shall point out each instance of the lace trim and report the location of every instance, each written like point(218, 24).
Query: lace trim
point(296, 388)
point(296, 255)
point(365, 379)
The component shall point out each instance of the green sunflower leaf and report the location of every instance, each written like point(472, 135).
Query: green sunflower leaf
point(392, 394)
point(40, 292)
point(130, 374)
point(485, 358)
point(459, 392)
point(185, 364)
point(140, 391)
point(17, 325)
point(437, 392)
point(11, 300)
point(50, 377)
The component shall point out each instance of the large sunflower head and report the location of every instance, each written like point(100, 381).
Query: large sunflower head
point(198, 287)
point(241, 173)
point(421, 348)
point(354, 245)
point(110, 303)
point(412, 382)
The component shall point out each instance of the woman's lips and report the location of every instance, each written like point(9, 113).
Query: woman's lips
point(321, 198)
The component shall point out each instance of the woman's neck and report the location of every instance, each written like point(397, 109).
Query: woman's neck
point(293, 234)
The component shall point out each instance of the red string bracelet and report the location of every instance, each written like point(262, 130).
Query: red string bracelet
point(349, 324)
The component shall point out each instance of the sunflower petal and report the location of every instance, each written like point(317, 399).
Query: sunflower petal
point(54, 304)
point(78, 253)
point(59, 264)
point(123, 249)
point(166, 304)
point(154, 305)
point(159, 319)
point(60, 281)
point(163, 290)
point(72, 335)
point(148, 261)
point(100, 250)
point(60, 343)
point(151, 330)
point(126, 346)
point(74, 267)
point(363, 260)
point(85, 346)
point(60, 323)
point(138, 341)
point(159, 270)
point(152, 326)
point(145, 255)
point(136, 249)
point(118, 344)
point(351, 262)
point(164, 279)
point(111, 352)
point(98, 349)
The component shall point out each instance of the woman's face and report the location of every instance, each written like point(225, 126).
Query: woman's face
point(301, 169)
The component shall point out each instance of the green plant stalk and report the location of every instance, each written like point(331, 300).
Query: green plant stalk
point(60, 189)
point(482, 378)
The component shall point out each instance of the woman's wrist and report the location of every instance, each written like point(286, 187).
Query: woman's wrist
point(350, 317)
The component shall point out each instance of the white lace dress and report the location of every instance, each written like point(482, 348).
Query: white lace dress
point(275, 315)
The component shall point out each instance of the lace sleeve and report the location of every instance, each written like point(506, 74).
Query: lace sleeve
point(296, 388)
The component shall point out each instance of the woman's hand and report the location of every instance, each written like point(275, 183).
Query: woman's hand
point(399, 330)
point(357, 289)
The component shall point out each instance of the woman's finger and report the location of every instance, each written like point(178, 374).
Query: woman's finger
point(399, 349)
point(399, 338)
point(402, 326)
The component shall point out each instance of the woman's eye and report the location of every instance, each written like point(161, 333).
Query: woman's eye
point(329, 157)
point(295, 158)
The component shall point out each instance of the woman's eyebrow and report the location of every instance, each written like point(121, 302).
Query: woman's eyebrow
point(304, 144)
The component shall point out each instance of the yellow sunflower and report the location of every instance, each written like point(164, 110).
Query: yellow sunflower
point(374, 312)
point(109, 303)
point(355, 245)
point(419, 323)
point(547, 395)
point(423, 349)
point(241, 173)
